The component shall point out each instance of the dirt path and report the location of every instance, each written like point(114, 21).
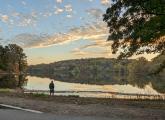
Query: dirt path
point(126, 109)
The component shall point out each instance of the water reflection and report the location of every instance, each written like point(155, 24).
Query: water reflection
point(12, 81)
point(37, 83)
point(134, 80)
point(127, 86)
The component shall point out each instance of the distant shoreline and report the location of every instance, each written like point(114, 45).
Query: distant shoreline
point(6, 73)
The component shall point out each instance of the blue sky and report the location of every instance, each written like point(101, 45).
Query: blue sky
point(43, 17)
point(54, 30)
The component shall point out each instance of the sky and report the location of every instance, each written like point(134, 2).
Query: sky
point(54, 30)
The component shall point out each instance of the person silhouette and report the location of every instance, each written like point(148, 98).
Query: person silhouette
point(51, 87)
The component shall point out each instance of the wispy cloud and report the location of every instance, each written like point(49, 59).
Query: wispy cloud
point(95, 12)
point(68, 8)
point(24, 3)
point(4, 18)
point(59, 1)
point(69, 16)
point(89, 32)
point(78, 52)
point(105, 2)
point(96, 33)
point(58, 10)
point(19, 19)
point(97, 43)
point(105, 52)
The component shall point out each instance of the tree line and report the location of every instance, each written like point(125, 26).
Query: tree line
point(103, 71)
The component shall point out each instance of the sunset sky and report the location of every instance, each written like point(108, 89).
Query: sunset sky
point(54, 30)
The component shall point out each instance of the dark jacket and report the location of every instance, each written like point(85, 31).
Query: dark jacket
point(51, 85)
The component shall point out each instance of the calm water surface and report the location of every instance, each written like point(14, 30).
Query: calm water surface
point(37, 83)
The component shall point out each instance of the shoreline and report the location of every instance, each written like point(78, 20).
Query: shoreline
point(77, 106)
point(108, 94)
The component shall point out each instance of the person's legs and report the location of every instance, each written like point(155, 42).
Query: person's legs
point(53, 91)
point(50, 92)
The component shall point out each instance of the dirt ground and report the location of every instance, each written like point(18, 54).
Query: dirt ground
point(72, 105)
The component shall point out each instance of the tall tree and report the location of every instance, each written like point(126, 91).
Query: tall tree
point(2, 53)
point(12, 59)
point(136, 26)
point(18, 57)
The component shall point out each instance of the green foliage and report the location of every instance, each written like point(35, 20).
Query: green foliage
point(39, 95)
point(156, 67)
point(104, 71)
point(136, 26)
point(12, 81)
point(75, 71)
point(139, 66)
point(6, 90)
point(158, 64)
point(12, 59)
point(94, 70)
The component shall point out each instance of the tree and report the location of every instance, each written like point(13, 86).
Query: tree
point(2, 55)
point(18, 56)
point(139, 66)
point(12, 59)
point(136, 26)
point(158, 64)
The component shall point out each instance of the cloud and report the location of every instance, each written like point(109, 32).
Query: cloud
point(101, 53)
point(59, 1)
point(96, 33)
point(100, 45)
point(27, 22)
point(69, 16)
point(97, 44)
point(68, 8)
point(95, 12)
point(105, 2)
point(26, 19)
point(24, 3)
point(58, 10)
point(47, 14)
point(27, 40)
point(93, 32)
point(78, 52)
point(20, 19)
point(5, 18)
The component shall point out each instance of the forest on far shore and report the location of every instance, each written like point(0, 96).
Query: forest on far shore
point(105, 71)
point(99, 65)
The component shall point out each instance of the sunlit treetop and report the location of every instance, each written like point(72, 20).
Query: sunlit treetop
point(136, 26)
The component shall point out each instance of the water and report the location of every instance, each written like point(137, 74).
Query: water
point(12, 81)
point(38, 83)
point(118, 87)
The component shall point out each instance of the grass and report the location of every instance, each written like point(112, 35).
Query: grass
point(6, 90)
point(39, 95)
point(47, 95)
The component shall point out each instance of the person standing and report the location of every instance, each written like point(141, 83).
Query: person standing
point(51, 87)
